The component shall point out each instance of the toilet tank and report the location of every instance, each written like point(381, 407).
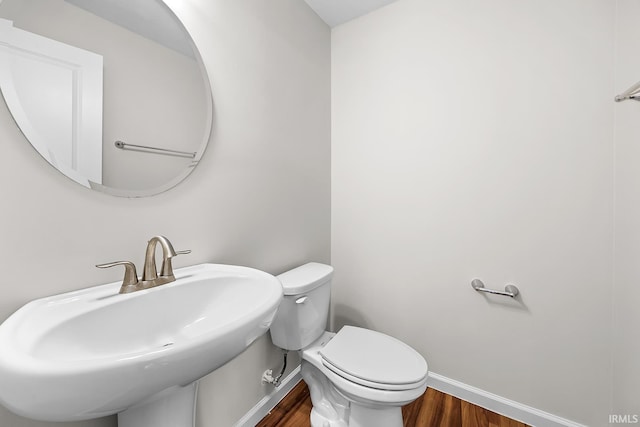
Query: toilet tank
point(303, 312)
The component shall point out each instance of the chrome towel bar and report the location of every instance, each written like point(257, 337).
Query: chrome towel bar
point(144, 148)
point(509, 290)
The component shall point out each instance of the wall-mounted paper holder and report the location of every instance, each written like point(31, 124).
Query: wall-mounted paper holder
point(509, 290)
point(632, 93)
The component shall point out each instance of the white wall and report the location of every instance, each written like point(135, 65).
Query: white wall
point(626, 380)
point(475, 139)
point(260, 196)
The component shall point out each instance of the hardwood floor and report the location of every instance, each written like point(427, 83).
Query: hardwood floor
point(434, 409)
point(293, 411)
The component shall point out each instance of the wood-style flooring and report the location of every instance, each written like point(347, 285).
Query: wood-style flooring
point(434, 409)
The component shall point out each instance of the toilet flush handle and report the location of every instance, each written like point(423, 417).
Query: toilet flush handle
point(301, 300)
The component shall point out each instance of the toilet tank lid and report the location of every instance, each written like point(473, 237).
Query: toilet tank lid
point(305, 278)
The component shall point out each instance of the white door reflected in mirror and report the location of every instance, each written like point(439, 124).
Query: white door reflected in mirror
point(54, 92)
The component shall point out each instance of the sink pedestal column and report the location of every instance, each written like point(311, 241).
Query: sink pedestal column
point(174, 407)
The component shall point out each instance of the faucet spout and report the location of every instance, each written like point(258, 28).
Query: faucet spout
point(150, 271)
point(150, 275)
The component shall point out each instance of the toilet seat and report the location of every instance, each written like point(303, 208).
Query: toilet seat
point(364, 395)
point(373, 359)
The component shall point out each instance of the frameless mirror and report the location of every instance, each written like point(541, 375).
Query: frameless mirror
point(112, 93)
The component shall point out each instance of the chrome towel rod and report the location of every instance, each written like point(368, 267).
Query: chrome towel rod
point(509, 290)
point(632, 93)
point(124, 146)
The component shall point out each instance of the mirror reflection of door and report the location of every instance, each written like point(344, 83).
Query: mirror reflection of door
point(54, 92)
point(154, 91)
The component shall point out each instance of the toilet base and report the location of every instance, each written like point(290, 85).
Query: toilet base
point(318, 420)
point(332, 409)
point(362, 416)
point(329, 407)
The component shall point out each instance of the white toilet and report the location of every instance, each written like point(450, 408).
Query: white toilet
point(357, 377)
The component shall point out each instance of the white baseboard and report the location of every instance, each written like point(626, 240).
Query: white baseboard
point(508, 408)
point(267, 403)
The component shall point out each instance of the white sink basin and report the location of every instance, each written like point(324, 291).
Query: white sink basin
point(94, 352)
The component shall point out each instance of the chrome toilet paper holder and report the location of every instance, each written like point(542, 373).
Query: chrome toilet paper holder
point(509, 290)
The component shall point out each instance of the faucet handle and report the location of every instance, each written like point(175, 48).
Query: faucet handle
point(188, 251)
point(130, 279)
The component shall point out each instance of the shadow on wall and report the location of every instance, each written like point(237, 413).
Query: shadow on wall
point(514, 304)
point(346, 315)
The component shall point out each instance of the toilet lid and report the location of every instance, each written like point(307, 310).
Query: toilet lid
point(374, 359)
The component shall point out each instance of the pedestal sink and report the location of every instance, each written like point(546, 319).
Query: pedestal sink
point(94, 352)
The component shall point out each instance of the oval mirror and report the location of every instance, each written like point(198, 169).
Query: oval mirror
point(112, 93)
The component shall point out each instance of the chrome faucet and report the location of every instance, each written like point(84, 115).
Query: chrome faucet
point(150, 277)
point(150, 273)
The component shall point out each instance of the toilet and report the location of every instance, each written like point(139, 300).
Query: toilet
point(357, 377)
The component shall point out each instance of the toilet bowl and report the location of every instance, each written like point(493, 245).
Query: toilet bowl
point(356, 377)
